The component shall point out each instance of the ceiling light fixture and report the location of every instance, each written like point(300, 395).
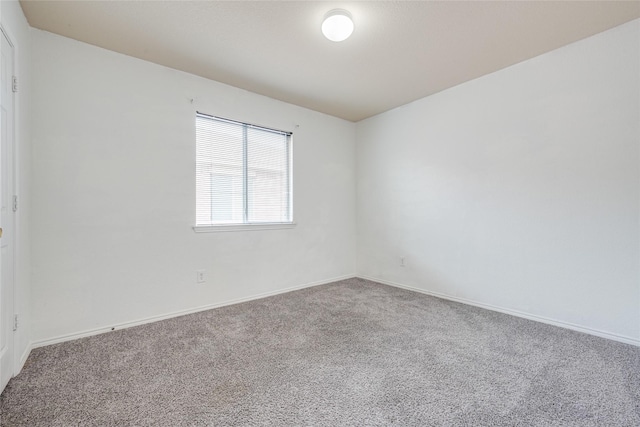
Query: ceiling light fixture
point(337, 25)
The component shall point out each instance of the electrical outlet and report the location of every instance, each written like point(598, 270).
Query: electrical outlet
point(402, 262)
point(200, 276)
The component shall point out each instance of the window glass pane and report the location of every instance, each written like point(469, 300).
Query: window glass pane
point(219, 153)
point(221, 197)
point(267, 164)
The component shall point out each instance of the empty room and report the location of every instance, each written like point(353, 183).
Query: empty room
point(320, 213)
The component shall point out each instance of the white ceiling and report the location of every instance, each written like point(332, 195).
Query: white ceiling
point(400, 51)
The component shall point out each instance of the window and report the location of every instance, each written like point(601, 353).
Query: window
point(243, 173)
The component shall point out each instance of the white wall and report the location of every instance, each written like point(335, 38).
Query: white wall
point(518, 190)
point(15, 24)
point(114, 194)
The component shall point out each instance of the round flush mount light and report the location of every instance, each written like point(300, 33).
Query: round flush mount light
point(337, 25)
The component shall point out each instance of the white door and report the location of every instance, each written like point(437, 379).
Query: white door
point(6, 215)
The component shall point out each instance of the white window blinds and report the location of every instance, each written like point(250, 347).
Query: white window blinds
point(243, 173)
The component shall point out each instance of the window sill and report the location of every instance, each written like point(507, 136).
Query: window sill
point(242, 227)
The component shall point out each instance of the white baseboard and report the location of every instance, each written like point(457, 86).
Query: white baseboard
point(23, 359)
point(517, 313)
point(96, 331)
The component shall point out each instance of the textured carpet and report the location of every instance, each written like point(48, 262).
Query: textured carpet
point(349, 353)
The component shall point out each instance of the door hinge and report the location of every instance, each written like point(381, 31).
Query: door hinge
point(14, 84)
point(15, 203)
point(15, 322)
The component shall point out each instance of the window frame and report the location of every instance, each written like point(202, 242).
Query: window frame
point(246, 225)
